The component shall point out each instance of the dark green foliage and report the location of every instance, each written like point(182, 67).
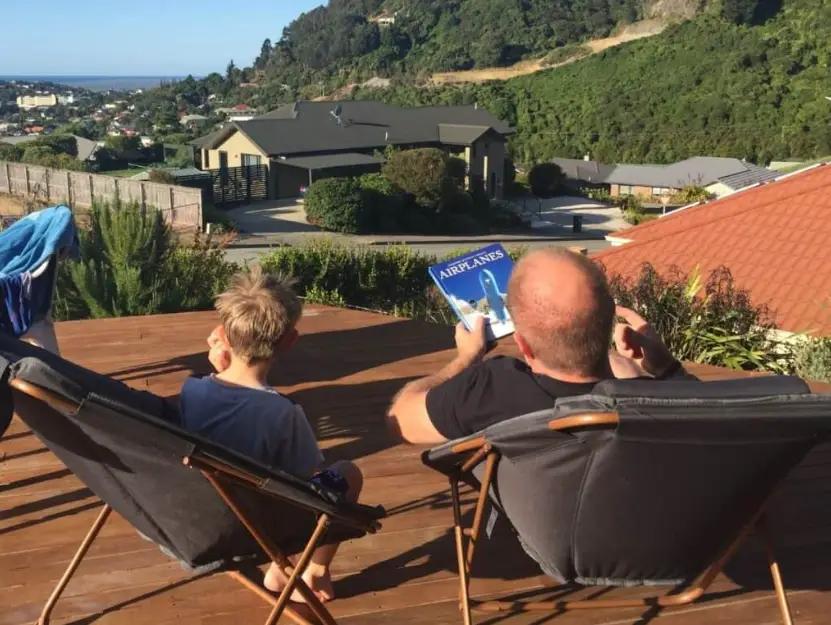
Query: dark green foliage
point(545, 179)
point(122, 145)
point(711, 322)
point(424, 173)
point(10, 152)
point(391, 279)
point(337, 204)
point(749, 11)
point(130, 265)
point(702, 87)
point(56, 143)
point(690, 194)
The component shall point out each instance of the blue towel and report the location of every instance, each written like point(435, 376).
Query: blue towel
point(24, 247)
point(30, 241)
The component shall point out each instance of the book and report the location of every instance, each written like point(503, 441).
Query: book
point(476, 284)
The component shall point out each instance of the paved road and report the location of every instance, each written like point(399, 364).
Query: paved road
point(264, 225)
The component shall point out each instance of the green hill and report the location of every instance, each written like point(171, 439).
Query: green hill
point(707, 86)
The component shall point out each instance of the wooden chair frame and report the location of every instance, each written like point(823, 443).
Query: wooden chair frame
point(218, 473)
point(478, 450)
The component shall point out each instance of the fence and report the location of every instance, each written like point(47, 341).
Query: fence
point(180, 206)
point(236, 185)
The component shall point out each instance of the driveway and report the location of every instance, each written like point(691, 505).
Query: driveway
point(271, 217)
point(598, 218)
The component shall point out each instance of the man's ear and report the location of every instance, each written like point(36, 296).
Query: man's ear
point(524, 348)
point(288, 340)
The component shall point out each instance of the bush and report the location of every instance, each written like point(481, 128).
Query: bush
point(337, 204)
point(130, 265)
point(812, 359)
point(545, 179)
point(691, 193)
point(391, 279)
point(711, 322)
point(162, 176)
point(10, 152)
point(425, 173)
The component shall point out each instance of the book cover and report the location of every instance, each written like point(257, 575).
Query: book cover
point(476, 284)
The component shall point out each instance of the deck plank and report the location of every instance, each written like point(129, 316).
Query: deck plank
point(344, 371)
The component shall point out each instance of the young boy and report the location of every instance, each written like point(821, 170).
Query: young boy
point(236, 408)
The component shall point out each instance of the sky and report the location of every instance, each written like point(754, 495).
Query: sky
point(144, 38)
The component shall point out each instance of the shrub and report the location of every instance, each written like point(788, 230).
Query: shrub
point(690, 194)
point(130, 265)
point(509, 173)
point(383, 201)
point(812, 359)
point(425, 173)
point(10, 152)
point(162, 176)
point(545, 179)
point(711, 322)
point(337, 204)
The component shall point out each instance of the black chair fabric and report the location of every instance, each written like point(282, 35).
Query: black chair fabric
point(127, 447)
point(654, 499)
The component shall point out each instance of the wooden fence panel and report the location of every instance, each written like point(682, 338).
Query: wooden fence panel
point(18, 173)
point(182, 206)
point(79, 184)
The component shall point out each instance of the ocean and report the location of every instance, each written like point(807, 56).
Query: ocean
point(102, 83)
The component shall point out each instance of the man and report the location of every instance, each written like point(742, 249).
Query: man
point(564, 317)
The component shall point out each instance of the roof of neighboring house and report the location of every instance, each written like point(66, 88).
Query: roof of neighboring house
point(774, 239)
point(309, 127)
point(206, 140)
point(86, 147)
point(698, 170)
point(186, 119)
point(327, 161)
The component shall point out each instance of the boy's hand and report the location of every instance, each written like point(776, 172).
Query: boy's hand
point(219, 353)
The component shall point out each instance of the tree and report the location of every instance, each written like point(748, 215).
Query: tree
point(337, 204)
point(545, 179)
point(122, 145)
point(265, 54)
point(424, 173)
point(58, 144)
point(10, 152)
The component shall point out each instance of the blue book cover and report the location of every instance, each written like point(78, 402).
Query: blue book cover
point(476, 284)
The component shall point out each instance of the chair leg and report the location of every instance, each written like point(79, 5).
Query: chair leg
point(74, 563)
point(460, 553)
point(266, 596)
point(294, 579)
point(775, 573)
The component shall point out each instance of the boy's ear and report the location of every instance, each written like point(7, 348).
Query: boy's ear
point(288, 340)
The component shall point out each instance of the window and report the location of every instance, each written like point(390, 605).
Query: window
point(625, 189)
point(223, 160)
point(659, 191)
point(251, 159)
point(206, 159)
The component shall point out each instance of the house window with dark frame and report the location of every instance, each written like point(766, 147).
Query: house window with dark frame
point(251, 159)
point(625, 189)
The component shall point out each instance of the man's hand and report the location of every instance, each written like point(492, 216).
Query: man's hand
point(638, 341)
point(219, 353)
point(472, 344)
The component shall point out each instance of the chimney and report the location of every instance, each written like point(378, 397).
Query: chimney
point(386, 136)
point(475, 106)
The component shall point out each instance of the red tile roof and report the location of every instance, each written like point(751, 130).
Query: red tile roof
point(775, 239)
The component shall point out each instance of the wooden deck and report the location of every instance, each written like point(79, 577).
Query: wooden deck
point(344, 371)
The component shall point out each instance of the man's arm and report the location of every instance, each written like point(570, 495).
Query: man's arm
point(408, 415)
point(640, 351)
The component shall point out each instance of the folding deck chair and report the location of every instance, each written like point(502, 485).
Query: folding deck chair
point(639, 483)
point(201, 503)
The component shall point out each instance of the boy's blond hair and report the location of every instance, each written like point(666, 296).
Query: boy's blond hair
point(256, 311)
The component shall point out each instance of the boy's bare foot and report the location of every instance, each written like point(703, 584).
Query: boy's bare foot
point(317, 578)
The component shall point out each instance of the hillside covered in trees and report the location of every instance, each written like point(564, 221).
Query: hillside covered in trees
point(707, 86)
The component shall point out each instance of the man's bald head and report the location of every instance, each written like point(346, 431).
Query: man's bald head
point(561, 305)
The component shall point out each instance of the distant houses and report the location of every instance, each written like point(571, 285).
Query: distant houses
point(37, 100)
point(305, 141)
point(719, 176)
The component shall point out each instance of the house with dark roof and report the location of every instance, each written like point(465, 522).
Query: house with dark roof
point(86, 148)
point(773, 238)
point(305, 141)
point(720, 176)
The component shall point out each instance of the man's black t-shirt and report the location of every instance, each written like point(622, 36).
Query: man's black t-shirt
point(494, 390)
